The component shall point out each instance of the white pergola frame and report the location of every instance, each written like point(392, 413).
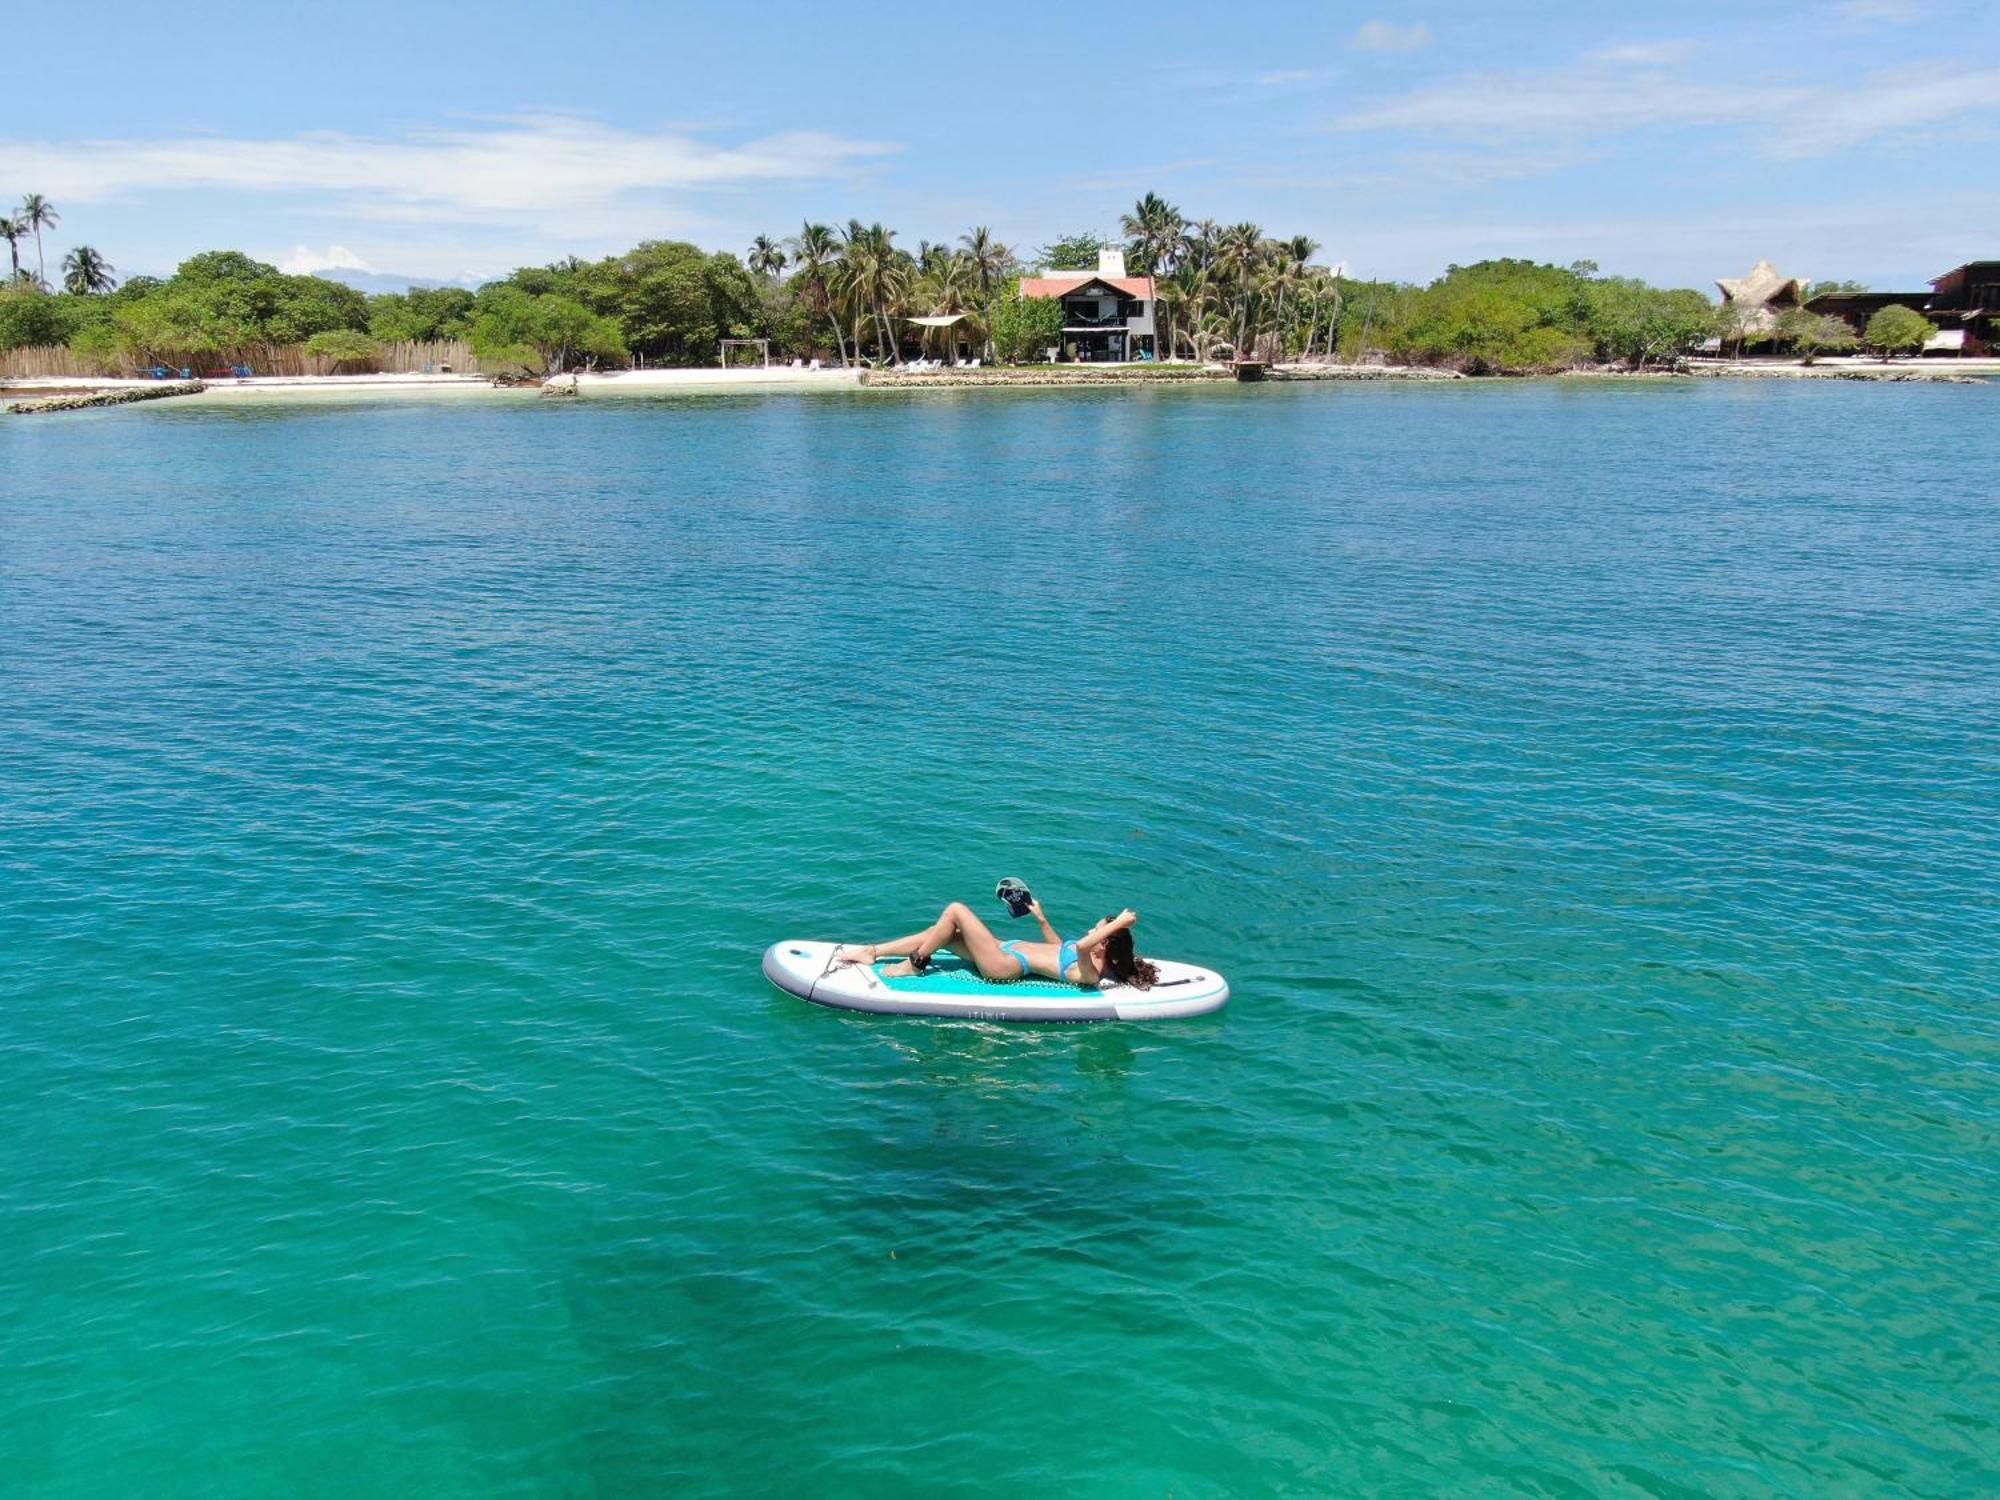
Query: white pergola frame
point(762, 345)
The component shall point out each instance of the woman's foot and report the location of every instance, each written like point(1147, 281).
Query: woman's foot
point(916, 963)
point(854, 953)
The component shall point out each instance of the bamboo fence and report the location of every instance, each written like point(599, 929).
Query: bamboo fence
point(263, 359)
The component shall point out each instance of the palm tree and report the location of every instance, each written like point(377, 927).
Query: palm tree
point(1287, 278)
point(817, 255)
point(1156, 235)
point(13, 231)
point(988, 259)
point(1324, 289)
point(767, 256)
point(950, 286)
point(1239, 253)
point(85, 272)
point(39, 214)
point(875, 274)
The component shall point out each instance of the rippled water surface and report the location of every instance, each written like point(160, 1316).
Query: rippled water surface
point(1590, 792)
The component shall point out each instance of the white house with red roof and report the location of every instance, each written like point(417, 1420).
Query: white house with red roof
point(1107, 315)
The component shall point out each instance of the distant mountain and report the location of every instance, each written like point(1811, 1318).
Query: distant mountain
point(388, 281)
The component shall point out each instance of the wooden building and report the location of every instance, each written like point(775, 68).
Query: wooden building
point(1965, 305)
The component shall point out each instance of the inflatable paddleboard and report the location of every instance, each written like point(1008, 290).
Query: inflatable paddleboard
point(953, 987)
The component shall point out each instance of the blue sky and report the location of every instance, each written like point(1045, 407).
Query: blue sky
point(1849, 138)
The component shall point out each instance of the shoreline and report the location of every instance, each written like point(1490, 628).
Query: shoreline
point(709, 381)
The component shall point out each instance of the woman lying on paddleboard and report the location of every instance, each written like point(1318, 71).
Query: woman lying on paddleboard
point(1103, 954)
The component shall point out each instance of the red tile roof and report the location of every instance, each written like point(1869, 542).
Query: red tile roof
point(1069, 281)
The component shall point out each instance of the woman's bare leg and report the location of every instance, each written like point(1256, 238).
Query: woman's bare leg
point(958, 929)
point(927, 941)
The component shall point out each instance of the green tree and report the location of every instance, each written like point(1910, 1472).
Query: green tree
point(173, 323)
point(39, 214)
point(13, 231)
point(100, 344)
point(1835, 289)
point(422, 315)
point(85, 272)
point(1500, 316)
point(1239, 257)
point(1155, 237)
point(1022, 329)
point(30, 318)
point(874, 276)
point(949, 286)
point(248, 302)
point(990, 260)
point(1073, 252)
point(544, 334)
point(1813, 334)
point(1898, 330)
point(816, 253)
point(767, 256)
point(343, 346)
point(1629, 320)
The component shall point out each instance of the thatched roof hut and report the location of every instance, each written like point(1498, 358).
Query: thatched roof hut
point(1757, 299)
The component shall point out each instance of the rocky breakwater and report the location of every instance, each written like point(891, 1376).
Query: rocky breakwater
point(1836, 372)
point(1360, 372)
point(1046, 375)
point(124, 395)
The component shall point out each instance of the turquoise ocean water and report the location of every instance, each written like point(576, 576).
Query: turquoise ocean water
point(1591, 791)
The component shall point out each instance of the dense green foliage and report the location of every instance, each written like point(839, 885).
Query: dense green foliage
point(542, 332)
point(1232, 289)
point(1898, 330)
point(1813, 334)
point(853, 293)
point(1073, 252)
point(420, 315)
point(1024, 328)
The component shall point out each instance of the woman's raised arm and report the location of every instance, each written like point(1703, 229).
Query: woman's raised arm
point(1109, 925)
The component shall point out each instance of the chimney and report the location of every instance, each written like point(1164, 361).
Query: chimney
point(1110, 262)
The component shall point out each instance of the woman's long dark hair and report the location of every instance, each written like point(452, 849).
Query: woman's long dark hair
point(1122, 962)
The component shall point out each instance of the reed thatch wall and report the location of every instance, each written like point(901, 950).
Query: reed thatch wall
point(263, 359)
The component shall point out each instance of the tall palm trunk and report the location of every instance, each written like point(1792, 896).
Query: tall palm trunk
point(825, 301)
point(838, 337)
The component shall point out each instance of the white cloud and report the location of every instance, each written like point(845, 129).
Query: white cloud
point(304, 260)
point(1387, 36)
point(544, 167)
point(1592, 100)
point(1643, 54)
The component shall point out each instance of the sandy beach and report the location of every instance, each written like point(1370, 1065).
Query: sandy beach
point(669, 382)
point(361, 387)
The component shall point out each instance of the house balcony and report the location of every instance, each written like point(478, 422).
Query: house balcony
point(1078, 320)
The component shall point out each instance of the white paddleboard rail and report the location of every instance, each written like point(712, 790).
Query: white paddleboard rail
point(805, 968)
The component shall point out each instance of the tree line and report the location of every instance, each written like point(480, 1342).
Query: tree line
point(849, 293)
